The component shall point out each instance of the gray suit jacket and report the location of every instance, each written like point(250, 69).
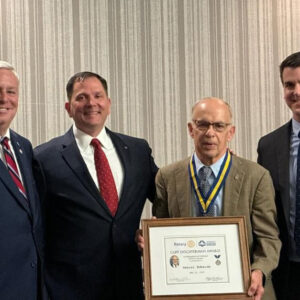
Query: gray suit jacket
point(248, 192)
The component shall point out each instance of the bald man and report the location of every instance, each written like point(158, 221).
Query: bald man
point(188, 188)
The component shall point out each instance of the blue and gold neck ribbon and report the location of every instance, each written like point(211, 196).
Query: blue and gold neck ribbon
point(206, 201)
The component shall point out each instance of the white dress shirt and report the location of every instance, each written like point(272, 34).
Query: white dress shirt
point(83, 141)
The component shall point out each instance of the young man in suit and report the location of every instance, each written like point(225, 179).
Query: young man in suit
point(20, 219)
point(277, 152)
point(212, 182)
point(90, 224)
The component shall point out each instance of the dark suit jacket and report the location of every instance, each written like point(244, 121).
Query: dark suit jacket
point(274, 154)
point(91, 255)
point(20, 229)
point(248, 192)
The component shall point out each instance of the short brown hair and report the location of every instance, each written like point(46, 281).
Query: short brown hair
point(292, 61)
point(81, 76)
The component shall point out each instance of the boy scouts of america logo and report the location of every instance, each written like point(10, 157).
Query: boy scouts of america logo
point(218, 262)
point(190, 244)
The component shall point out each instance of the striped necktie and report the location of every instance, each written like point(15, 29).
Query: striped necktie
point(12, 166)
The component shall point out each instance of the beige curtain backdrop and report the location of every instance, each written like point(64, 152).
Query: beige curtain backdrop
point(159, 57)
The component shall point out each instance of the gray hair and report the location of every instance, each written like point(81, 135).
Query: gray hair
point(7, 66)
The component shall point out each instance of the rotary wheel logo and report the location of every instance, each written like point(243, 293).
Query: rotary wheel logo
point(190, 244)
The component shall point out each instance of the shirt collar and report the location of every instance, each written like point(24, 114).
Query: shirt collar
point(295, 127)
point(84, 140)
point(7, 134)
point(215, 167)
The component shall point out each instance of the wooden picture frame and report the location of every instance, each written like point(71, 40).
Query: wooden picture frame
point(196, 258)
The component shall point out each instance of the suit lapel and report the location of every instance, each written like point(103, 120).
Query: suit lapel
point(183, 193)
point(74, 160)
point(232, 188)
point(283, 161)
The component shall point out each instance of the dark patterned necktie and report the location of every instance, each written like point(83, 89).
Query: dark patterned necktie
point(204, 174)
point(105, 178)
point(12, 166)
point(297, 219)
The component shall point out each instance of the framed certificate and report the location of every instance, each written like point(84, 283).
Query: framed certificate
point(196, 258)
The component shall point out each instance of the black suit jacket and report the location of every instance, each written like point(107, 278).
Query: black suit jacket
point(20, 229)
point(274, 154)
point(90, 254)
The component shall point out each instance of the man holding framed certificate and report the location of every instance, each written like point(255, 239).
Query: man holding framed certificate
point(212, 182)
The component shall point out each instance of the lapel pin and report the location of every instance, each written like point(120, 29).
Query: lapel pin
point(20, 150)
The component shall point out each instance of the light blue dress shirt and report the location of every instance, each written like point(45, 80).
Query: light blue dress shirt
point(294, 144)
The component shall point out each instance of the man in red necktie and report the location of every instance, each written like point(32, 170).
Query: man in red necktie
point(94, 184)
point(20, 219)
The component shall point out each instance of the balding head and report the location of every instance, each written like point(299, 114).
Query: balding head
point(214, 102)
point(211, 129)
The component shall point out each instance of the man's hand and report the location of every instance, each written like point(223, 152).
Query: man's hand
point(256, 288)
point(139, 239)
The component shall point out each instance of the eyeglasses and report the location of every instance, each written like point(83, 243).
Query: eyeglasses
point(217, 126)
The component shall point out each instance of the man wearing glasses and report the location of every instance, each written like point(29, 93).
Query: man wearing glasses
point(212, 182)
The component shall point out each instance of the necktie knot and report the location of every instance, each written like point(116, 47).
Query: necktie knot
point(205, 172)
point(4, 141)
point(96, 143)
point(12, 166)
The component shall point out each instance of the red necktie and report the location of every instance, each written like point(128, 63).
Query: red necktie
point(12, 167)
point(105, 178)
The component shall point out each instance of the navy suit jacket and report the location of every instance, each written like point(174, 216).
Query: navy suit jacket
point(20, 229)
point(90, 254)
point(274, 154)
